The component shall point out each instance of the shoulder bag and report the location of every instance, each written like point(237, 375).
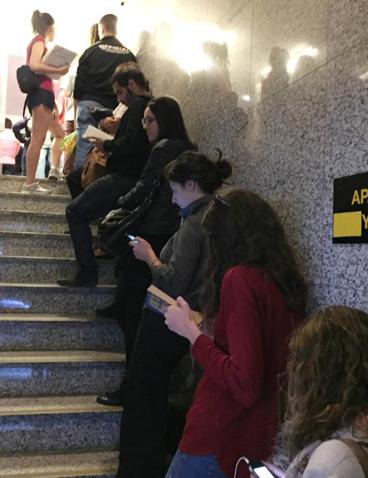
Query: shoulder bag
point(113, 228)
point(94, 167)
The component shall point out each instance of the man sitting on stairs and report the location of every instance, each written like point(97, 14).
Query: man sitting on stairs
point(128, 152)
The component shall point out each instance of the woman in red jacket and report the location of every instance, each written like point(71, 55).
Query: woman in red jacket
point(257, 295)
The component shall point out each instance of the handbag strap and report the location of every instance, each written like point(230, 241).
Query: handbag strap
point(360, 453)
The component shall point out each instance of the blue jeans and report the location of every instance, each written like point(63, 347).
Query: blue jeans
point(43, 162)
point(190, 466)
point(84, 119)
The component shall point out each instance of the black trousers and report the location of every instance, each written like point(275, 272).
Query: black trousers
point(144, 426)
point(94, 202)
point(133, 278)
point(73, 181)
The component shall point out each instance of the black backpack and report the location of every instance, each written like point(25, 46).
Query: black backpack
point(28, 80)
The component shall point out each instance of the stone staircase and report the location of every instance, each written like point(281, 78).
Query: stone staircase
point(55, 357)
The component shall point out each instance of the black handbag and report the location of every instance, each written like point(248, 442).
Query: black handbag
point(113, 228)
point(28, 80)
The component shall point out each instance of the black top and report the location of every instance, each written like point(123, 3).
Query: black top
point(95, 70)
point(130, 147)
point(162, 216)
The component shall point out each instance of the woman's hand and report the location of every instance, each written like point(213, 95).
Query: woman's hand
point(63, 70)
point(274, 469)
point(178, 319)
point(143, 251)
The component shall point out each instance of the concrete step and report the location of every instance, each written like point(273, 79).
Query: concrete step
point(52, 299)
point(57, 423)
point(10, 201)
point(93, 464)
point(10, 183)
point(44, 270)
point(28, 332)
point(35, 244)
point(25, 221)
point(29, 374)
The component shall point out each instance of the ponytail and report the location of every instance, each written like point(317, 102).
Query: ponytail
point(41, 22)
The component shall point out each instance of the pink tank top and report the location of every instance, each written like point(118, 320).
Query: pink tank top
point(46, 82)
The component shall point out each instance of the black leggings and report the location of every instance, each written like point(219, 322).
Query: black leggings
point(145, 422)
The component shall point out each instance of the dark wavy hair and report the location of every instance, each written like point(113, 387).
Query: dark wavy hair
point(124, 73)
point(243, 229)
point(170, 120)
point(196, 166)
point(41, 22)
point(328, 378)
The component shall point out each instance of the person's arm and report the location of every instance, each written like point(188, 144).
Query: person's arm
point(240, 370)
point(80, 78)
point(133, 137)
point(175, 277)
point(36, 64)
point(151, 172)
point(17, 127)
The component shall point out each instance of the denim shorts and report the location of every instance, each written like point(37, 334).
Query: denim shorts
point(41, 97)
point(192, 466)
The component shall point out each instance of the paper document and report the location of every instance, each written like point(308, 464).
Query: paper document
point(58, 56)
point(95, 133)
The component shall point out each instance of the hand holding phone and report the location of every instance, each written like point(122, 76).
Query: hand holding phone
point(258, 469)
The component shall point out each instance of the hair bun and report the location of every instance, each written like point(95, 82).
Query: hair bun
point(223, 167)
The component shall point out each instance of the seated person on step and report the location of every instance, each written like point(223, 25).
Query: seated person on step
point(193, 179)
point(128, 152)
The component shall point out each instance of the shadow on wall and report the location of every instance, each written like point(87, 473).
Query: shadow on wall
point(210, 106)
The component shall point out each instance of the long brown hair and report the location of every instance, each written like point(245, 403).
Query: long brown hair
point(328, 377)
point(244, 229)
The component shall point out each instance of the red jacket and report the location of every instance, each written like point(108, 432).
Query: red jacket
point(234, 412)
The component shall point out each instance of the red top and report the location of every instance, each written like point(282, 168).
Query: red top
point(46, 82)
point(234, 412)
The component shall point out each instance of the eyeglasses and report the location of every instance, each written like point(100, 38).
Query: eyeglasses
point(147, 120)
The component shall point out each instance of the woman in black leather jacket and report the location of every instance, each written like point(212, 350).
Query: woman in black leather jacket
point(166, 131)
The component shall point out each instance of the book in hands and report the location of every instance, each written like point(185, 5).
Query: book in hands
point(158, 301)
point(94, 133)
point(58, 57)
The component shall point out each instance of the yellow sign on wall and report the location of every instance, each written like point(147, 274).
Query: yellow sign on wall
point(350, 218)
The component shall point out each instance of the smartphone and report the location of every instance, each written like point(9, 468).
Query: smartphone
point(259, 469)
point(130, 237)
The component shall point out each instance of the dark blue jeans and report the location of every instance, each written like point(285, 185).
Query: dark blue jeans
point(190, 466)
point(93, 203)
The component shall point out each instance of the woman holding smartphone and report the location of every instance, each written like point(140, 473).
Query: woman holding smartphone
point(325, 433)
point(255, 295)
point(178, 270)
point(42, 103)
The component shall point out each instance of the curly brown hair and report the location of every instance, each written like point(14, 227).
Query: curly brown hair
point(244, 229)
point(328, 377)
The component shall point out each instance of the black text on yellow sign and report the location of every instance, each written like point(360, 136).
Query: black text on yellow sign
point(350, 214)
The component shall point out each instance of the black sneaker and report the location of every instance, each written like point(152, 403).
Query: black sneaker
point(79, 280)
point(113, 399)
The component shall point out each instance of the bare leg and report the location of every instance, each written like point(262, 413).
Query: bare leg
point(58, 133)
point(41, 120)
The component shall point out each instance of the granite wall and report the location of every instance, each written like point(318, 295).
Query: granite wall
point(289, 106)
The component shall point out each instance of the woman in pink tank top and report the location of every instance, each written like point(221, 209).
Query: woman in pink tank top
point(42, 103)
